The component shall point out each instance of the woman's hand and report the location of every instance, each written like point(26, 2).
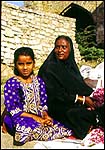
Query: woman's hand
point(89, 102)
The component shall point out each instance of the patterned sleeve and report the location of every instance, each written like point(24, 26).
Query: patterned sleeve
point(43, 94)
point(12, 98)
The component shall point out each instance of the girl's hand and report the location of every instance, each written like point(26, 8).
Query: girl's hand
point(49, 120)
point(45, 120)
point(39, 119)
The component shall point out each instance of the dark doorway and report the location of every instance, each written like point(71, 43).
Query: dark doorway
point(84, 23)
point(83, 17)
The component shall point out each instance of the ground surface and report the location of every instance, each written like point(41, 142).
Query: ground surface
point(7, 140)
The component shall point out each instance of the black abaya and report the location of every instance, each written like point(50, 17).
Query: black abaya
point(63, 81)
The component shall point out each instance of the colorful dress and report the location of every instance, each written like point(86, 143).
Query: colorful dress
point(29, 97)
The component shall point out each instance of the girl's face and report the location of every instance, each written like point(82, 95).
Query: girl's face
point(24, 65)
point(62, 49)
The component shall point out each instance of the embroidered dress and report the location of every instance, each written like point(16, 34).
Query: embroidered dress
point(29, 97)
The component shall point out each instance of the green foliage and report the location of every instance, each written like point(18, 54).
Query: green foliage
point(87, 38)
point(87, 44)
point(92, 53)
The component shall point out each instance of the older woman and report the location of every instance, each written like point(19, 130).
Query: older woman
point(68, 94)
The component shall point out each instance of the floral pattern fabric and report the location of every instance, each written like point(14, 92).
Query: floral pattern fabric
point(96, 136)
point(30, 98)
point(98, 96)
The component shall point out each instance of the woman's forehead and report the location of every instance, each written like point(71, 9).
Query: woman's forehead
point(62, 40)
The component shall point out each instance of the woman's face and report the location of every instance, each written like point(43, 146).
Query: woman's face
point(62, 49)
point(24, 65)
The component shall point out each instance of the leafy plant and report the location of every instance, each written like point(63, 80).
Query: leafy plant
point(92, 53)
point(87, 44)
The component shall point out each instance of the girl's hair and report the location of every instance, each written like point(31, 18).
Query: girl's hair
point(26, 51)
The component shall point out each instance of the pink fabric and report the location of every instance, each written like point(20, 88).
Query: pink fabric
point(98, 95)
point(96, 136)
point(72, 137)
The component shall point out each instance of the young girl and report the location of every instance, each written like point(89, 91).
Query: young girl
point(26, 103)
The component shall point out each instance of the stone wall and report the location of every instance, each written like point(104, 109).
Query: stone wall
point(36, 29)
point(98, 15)
point(96, 8)
point(58, 6)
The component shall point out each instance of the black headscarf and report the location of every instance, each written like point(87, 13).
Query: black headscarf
point(65, 73)
point(63, 81)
